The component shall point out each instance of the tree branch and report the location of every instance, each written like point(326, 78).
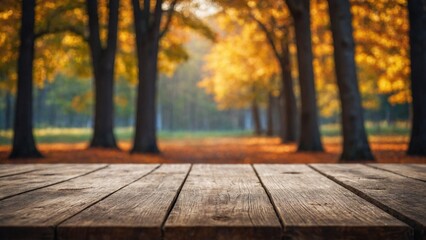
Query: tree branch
point(268, 35)
point(170, 12)
point(158, 12)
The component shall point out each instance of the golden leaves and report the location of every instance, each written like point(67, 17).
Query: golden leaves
point(240, 68)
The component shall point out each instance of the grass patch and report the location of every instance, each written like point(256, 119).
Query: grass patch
point(74, 135)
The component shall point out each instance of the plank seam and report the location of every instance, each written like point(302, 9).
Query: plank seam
point(55, 233)
point(413, 224)
point(270, 200)
point(172, 205)
point(18, 173)
point(390, 171)
point(49, 185)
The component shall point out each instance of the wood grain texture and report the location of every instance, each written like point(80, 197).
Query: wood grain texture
point(312, 206)
point(403, 197)
point(35, 214)
point(55, 173)
point(135, 212)
point(12, 169)
point(222, 202)
point(415, 171)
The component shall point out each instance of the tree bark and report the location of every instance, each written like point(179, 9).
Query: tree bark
point(270, 123)
point(276, 115)
point(289, 123)
point(256, 118)
point(147, 31)
point(310, 139)
point(103, 61)
point(8, 111)
point(355, 143)
point(417, 16)
point(23, 140)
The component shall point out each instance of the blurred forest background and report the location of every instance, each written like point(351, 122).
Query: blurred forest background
point(220, 69)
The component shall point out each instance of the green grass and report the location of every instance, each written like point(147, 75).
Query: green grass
point(373, 128)
point(74, 135)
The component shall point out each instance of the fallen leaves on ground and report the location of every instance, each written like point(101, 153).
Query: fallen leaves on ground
point(387, 149)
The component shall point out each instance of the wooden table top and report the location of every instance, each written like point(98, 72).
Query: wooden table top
point(212, 201)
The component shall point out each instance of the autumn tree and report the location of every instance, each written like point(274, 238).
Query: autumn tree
point(103, 65)
point(23, 139)
point(417, 16)
point(355, 143)
point(310, 139)
point(239, 72)
point(148, 34)
point(273, 20)
point(150, 28)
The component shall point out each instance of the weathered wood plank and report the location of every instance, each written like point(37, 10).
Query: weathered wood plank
point(16, 184)
point(35, 214)
point(415, 171)
point(222, 202)
point(12, 169)
point(135, 212)
point(403, 197)
point(314, 207)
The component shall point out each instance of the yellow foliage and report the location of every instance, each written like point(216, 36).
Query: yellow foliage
point(240, 68)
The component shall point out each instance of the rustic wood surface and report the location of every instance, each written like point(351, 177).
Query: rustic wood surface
point(36, 213)
point(312, 206)
point(403, 197)
point(12, 169)
point(183, 201)
point(415, 171)
point(222, 202)
point(142, 209)
point(20, 183)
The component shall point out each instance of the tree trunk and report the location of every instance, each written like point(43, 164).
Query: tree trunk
point(289, 126)
point(276, 116)
point(8, 111)
point(269, 115)
point(147, 30)
point(417, 16)
point(256, 118)
point(145, 140)
point(103, 60)
point(23, 139)
point(355, 143)
point(310, 139)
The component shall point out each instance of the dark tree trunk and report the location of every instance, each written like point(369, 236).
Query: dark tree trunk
point(103, 60)
point(289, 123)
point(269, 115)
point(256, 118)
point(145, 140)
point(310, 139)
point(355, 143)
point(147, 30)
point(8, 111)
point(417, 16)
point(276, 116)
point(23, 138)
